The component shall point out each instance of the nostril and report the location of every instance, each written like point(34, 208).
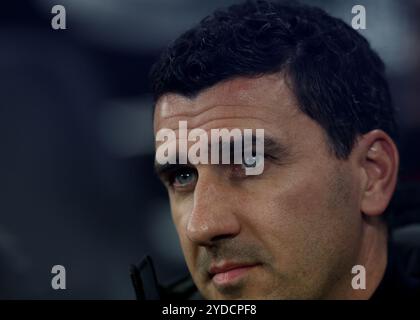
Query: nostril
point(221, 237)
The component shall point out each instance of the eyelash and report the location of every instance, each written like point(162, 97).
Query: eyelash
point(169, 174)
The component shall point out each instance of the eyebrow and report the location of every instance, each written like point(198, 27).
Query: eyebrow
point(276, 149)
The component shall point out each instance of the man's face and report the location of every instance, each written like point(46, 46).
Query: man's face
point(291, 232)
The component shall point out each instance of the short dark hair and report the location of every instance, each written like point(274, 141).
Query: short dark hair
point(338, 80)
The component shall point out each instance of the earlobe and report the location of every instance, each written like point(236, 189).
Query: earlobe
point(380, 162)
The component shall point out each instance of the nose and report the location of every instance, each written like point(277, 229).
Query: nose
point(213, 215)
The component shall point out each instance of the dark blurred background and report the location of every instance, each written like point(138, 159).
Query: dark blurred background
point(77, 187)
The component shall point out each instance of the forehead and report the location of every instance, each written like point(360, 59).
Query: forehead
point(261, 101)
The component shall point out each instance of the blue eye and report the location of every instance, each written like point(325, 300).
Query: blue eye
point(184, 178)
point(252, 161)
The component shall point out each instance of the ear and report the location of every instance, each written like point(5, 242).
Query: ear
point(379, 161)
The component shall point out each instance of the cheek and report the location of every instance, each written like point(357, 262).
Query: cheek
point(180, 210)
point(303, 214)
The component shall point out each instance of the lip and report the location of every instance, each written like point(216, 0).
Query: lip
point(229, 273)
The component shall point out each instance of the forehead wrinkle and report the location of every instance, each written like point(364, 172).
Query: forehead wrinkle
point(206, 123)
point(270, 141)
point(245, 91)
point(196, 109)
point(195, 118)
point(174, 107)
point(207, 130)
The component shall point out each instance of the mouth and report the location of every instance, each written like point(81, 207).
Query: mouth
point(229, 273)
